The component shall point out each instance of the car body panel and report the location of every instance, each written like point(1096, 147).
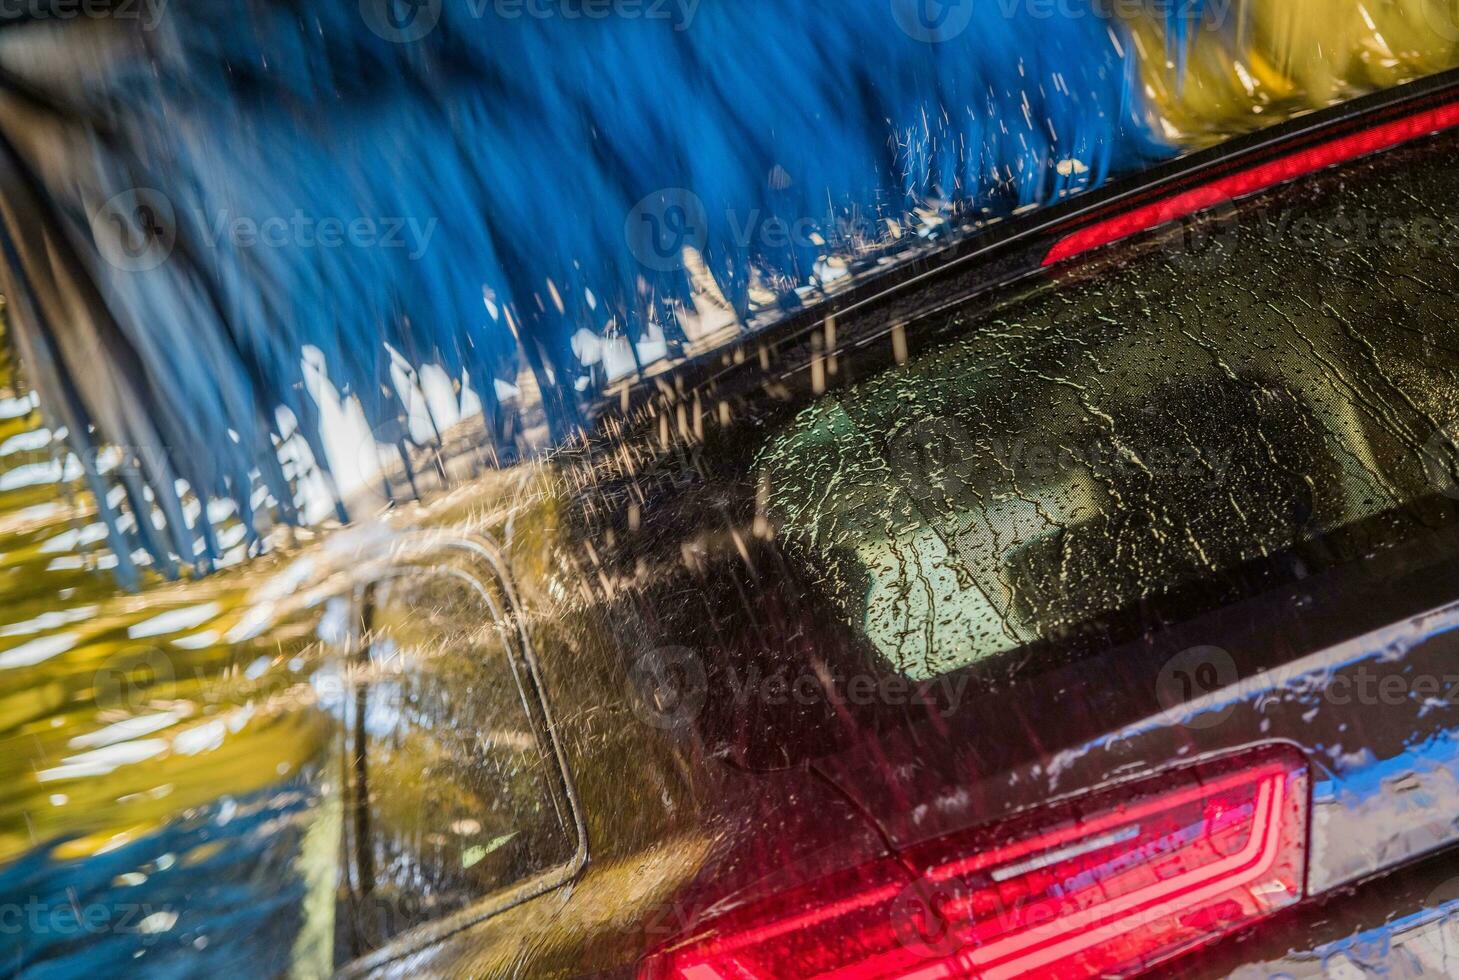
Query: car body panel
point(748, 793)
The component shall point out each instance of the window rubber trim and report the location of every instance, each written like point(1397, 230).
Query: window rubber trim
point(417, 549)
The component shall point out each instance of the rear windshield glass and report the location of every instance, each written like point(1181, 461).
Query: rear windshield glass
point(1244, 401)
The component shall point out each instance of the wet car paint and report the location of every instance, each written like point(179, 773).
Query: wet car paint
point(1382, 762)
point(621, 555)
point(1402, 925)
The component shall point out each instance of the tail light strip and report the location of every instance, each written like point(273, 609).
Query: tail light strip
point(1261, 177)
point(1167, 898)
point(1109, 885)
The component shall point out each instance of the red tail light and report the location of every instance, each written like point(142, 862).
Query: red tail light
point(1106, 887)
point(1242, 183)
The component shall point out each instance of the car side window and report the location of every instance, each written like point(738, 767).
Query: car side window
point(454, 800)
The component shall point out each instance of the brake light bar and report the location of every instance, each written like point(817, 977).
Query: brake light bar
point(1249, 181)
point(1107, 886)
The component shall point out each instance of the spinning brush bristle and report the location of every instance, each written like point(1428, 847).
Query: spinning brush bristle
point(1238, 65)
point(506, 155)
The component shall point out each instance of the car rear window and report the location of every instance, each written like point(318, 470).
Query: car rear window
point(1242, 401)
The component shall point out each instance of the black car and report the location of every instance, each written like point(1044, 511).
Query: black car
point(1081, 601)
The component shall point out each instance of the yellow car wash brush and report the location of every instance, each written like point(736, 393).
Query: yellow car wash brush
point(1238, 65)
